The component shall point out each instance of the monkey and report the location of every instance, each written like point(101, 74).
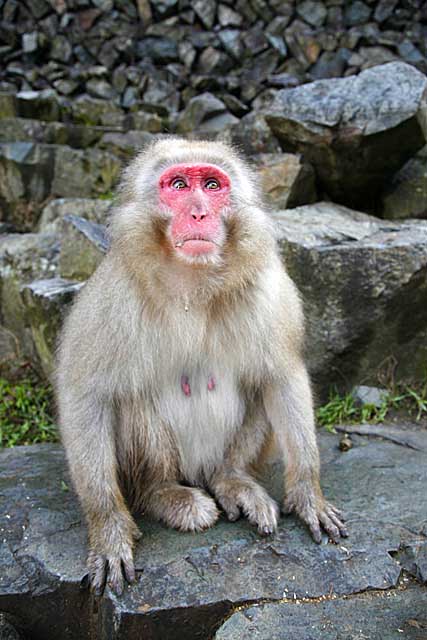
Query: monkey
point(181, 363)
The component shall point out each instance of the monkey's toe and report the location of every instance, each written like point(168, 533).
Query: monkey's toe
point(183, 508)
point(113, 570)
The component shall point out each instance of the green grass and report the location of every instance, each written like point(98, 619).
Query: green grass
point(26, 413)
point(411, 400)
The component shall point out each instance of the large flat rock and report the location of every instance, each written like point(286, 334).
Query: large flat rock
point(356, 131)
point(188, 584)
point(363, 281)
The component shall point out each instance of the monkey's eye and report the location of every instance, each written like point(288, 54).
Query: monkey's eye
point(212, 184)
point(178, 183)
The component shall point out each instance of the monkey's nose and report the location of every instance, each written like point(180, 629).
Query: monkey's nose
point(198, 216)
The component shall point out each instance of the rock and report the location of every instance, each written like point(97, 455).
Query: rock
point(204, 112)
point(399, 612)
point(406, 194)
point(91, 111)
point(30, 42)
point(8, 630)
point(143, 121)
point(41, 105)
point(25, 179)
point(286, 180)
point(160, 97)
point(206, 11)
point(312, 12)
point(252, 135)
point(357, 13)
point(83, 173)
point(100, 89)
point(46, 303)
point(83, 245)
point(61, 49)
point(29, 173)
point(191, 583)
point(384, 10)
point(227, 17)
point(94, 210)
point(23, 258)
point(364, 395)
point(363, 284)
point(125, 145)
point(7, 104)
point(330, 64)
point(356, 131)
point(160, 50)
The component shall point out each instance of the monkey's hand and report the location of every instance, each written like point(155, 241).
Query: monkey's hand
point(110, 559)
point(310, 505)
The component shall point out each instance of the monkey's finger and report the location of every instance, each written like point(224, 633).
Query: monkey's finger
point(128, 571)
point(337, 512)
point(115, 577)
point(231, 509)
point(98, 577)
point(314, 526)
point(337, 522)
point(331, 529)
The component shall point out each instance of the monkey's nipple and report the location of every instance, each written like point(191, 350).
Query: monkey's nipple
point(185, 385)
point(211, 383)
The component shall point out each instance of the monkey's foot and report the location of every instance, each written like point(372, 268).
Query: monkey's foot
point(312, 508)
point(183, 508)
point(111, 568)
point(237, 491)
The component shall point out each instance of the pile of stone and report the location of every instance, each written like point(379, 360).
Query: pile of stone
point(338, 160)
point(159, 54)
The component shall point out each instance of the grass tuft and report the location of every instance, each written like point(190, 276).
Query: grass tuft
point(26, 413)
point(412, 401)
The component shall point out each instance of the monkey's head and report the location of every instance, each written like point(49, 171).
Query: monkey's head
point(190, 203)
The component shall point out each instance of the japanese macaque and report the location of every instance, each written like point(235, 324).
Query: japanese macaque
point(180, 363)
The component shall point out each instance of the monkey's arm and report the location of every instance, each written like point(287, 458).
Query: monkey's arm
point(87, 433)
point(289, 409)
point(289, 406)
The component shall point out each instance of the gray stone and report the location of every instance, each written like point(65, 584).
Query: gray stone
point(91, 111)
point(7, 104)
point(8, 630)
point(384, 10)
point(286, 180)
point(83, 245)
point(227, 17)
point(312, 12)
point(252, 135)
point(406, 194)
point(125, 145)
point(356, 131)
point(231, 41)
point(199, 110)
point(42, 105)
point(100, 89)
point(363, 283)
point(46, 303)
point(30, 42)
point(206, 11)
point(160, 97)
point(330, 64)
point(387, 615)
point(143, 121)
point(23, 257)
point(357, 13)
point(94, 210)
point(364, 395)
point(160, 50)
point(61, 49)
point(189, 583)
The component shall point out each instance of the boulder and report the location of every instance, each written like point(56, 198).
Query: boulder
point(363, 282)
point(29, 173)
point(46, 303)
point(205, 113)
point(125, 145)
point(83, 245)
point(406, 194)
point(286, 179)
point(92, 209)
point(189, 583)
point(356, 131)
point(28, 130)
point(23, 258)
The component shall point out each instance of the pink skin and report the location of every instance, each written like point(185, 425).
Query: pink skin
point(196, 226)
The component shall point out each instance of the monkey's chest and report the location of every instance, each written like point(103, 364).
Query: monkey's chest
point(203, 407)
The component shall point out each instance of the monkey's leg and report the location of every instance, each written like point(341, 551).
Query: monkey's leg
point(290, 410)
point(179, 507)
point(89, 442)
point(233, 486)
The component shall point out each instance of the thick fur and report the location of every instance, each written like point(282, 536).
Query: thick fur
point(145, 319)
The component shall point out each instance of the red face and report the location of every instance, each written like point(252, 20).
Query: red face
point(196, 194)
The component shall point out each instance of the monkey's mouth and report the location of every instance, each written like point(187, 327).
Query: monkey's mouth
point(195, 246)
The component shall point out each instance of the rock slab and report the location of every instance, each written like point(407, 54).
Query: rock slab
point(356, 131)
point(188, 584)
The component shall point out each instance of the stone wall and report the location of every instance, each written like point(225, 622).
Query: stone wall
point(158, 55)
